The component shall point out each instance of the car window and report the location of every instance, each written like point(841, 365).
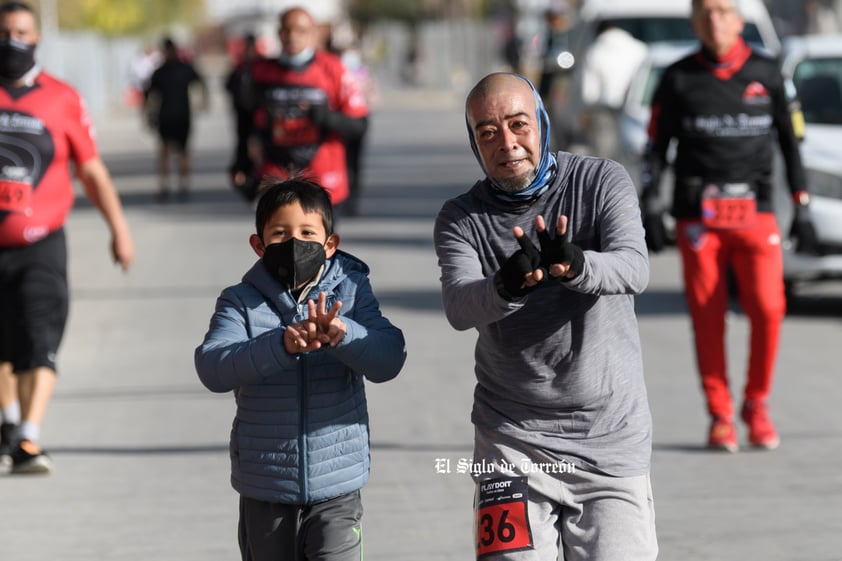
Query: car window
point(652, 30)
point(818, 82)
point(652, 81)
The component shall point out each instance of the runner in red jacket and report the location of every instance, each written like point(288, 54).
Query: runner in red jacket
point(44, 127)
point(725, 104)
point(305, 102)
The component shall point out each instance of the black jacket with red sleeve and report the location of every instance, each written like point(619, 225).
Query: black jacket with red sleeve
point(725, 114)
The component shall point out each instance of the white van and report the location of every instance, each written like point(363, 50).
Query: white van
point(813, 65)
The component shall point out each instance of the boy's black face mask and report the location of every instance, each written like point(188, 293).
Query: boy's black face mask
point(294, 261)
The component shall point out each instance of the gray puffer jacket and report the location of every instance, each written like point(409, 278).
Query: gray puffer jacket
point(300, 434)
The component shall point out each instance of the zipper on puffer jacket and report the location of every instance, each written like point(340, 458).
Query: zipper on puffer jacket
point(302, 432)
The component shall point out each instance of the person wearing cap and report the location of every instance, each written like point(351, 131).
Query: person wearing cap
point(543, 258)
point(726, 107)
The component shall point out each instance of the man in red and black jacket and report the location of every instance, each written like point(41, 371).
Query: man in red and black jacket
point(306, 102)
point(45, 133)
point(725, 104)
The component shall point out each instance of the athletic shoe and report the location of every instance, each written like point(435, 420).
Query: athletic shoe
point(723, 435)
point(6, 431)
point(29, 458)
point(761, 431)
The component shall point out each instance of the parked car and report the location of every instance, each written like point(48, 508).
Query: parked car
point(633, 120)
point(813, 66)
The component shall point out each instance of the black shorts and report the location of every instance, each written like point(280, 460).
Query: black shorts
point(33, 302)
point(175, 132)
point(330, 530)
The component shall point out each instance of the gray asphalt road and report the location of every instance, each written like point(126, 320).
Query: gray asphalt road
point(141, 447)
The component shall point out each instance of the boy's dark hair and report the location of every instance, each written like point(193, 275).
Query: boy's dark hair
point(311, 196)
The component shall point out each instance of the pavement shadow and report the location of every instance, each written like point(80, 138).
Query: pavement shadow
point(466, 447)
point(660, 303)
point(143, 293)
point(174, 450)
point(672, 302)
point(408, 200)
point(355, 239)
point(418, 300)
point(819, 306)
point(684, 448)
point(142, 163)
point(200, 202)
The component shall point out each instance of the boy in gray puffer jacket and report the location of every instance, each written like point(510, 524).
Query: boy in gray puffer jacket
point(294, 342)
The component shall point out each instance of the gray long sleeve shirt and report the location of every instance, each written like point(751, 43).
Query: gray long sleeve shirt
point(560, 369)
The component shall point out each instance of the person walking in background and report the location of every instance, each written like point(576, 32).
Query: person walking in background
point(294, 342)
point(555, 81)
point(238, 86)
point(306, 104)
point(168, 101)
point(543, 257)
point(725, 105)
point(141, 67)
point(512, 44)
point(608, 66)
point(557, 41)
point(44, 127)
point(346, 44)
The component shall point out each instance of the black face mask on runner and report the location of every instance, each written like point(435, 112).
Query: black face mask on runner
point(16, 59)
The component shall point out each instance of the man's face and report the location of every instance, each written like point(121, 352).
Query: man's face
point(296, 32)
point(718, 24)
point(507, 135)
point(20, 26)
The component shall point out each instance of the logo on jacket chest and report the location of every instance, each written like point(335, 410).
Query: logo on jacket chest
point(756, 94)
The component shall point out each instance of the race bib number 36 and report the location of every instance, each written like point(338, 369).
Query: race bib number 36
point(501, 516)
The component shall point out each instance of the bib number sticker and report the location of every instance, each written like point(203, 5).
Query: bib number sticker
point(727, 212)
point(15, 196)
point(502, 520)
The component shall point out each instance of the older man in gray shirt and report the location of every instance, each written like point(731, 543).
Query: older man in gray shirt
point(543, 258)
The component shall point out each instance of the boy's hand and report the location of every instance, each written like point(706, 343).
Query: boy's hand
point(301, 337)
point(322, 327)
point(331, 329)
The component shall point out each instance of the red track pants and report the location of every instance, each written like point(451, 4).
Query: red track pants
point(755, 256)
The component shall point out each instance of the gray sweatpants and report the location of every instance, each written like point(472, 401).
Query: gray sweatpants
point(326, 531)
point(574, 515)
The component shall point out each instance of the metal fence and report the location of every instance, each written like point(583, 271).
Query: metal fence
point(96, 66)
point(451, 55)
